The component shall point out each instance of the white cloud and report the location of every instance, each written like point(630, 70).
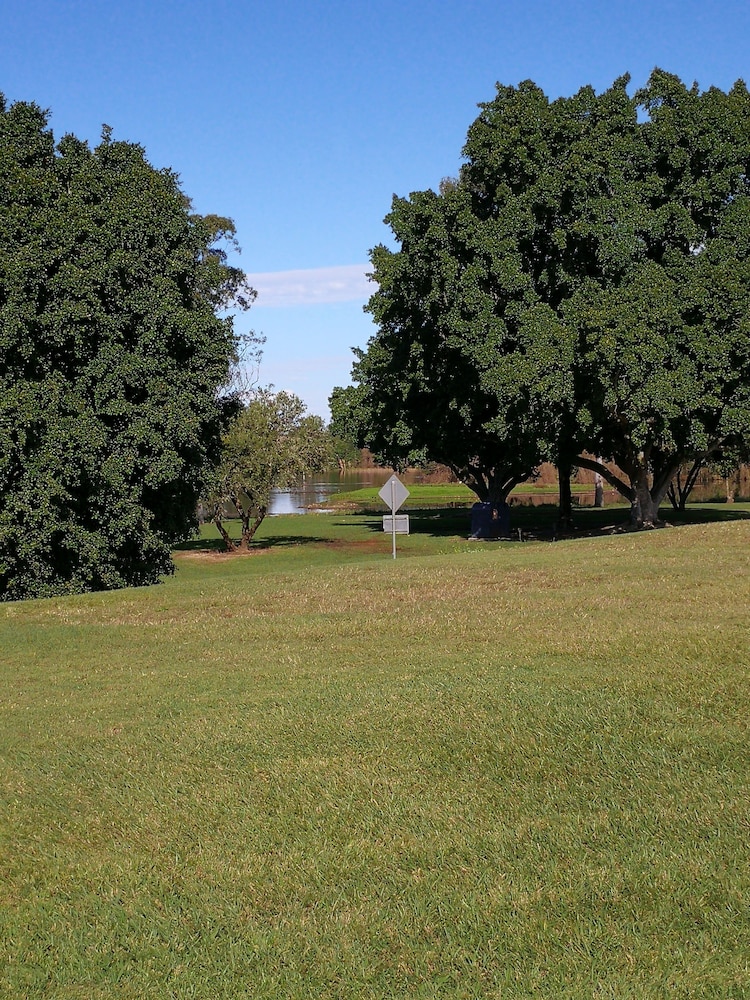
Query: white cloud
point(314, 286)
point(310, 378)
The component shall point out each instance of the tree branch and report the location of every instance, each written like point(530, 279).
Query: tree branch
point(619, 484)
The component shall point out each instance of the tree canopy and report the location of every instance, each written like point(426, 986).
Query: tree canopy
point(113, 347)
point(581, 289)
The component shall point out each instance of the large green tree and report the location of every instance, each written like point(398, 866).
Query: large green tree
point(113, 347)
point(469, 367)
point(582, 289)
point(663, 353)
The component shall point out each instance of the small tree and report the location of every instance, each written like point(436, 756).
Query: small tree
point(345, 452)
point(271, 444)
point(723, 463)
point(344, 427)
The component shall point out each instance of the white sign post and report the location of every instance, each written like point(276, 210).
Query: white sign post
point(394, 493)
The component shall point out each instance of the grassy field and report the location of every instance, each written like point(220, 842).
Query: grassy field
point(483, 770)
point(445, 494)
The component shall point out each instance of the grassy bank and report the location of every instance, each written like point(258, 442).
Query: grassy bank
point(484, 770)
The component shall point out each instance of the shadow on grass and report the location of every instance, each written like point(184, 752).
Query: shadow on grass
point(528, 522)
point(706, 514)
point(258, 544)
point(281, 541)
point(452, 521)
point(539, 521)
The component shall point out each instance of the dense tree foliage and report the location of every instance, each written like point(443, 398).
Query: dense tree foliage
point(465, 363)
point(112, 350)
point(583, 288)
point(270, 444)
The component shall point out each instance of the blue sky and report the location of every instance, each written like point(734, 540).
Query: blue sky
point(300, 120)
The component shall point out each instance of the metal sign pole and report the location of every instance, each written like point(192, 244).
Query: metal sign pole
point(393, 494)
point(393, 515)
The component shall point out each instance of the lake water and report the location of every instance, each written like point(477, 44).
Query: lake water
point(318, 489)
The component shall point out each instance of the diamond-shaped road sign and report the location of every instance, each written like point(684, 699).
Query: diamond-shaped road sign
point(394, 493)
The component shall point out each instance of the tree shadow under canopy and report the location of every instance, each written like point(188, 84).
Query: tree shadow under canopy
point(257, 545)
point(539, 522)
point(528, 523)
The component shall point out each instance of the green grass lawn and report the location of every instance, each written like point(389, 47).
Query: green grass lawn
point(443, 494)
point(483, 770)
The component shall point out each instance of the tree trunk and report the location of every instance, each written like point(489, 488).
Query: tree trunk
point(565, 507)
point(598, 490)
point(644, 507)
point(490, 488)
point(230, 546)
point(645, 499)
point(248, 529)
point(679, 490)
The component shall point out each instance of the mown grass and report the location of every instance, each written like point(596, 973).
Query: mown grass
point(442, 494)
point(483, 770)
